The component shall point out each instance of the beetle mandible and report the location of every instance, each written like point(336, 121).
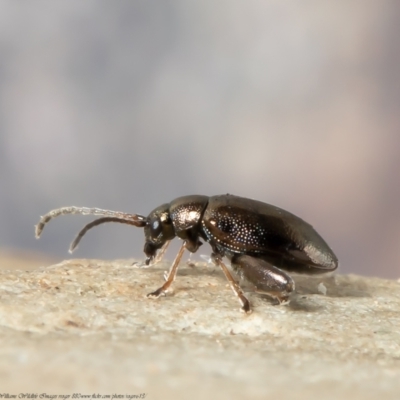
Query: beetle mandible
point(260, 240)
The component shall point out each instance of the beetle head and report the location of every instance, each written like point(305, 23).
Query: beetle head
point(158, 230)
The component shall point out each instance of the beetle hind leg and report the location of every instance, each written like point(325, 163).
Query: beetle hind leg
point(267, 278)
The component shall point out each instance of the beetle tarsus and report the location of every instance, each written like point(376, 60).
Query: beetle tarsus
point(246, 308)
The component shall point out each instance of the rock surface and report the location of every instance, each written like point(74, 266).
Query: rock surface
point(86, 327)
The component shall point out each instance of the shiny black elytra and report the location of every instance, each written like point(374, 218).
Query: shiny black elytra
point(259, 239)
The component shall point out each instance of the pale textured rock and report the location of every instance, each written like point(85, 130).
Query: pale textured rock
point(85, 326)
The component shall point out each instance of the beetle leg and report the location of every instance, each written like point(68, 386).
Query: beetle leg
point(160, 253)
point(232, 283)
point(171, 274)
point(267, 278)
point(159, 256)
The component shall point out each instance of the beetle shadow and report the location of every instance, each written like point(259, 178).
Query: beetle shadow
point(297, 303)
point(330, 286)
point(198, 269)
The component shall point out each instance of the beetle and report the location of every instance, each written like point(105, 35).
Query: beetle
point(260, 240)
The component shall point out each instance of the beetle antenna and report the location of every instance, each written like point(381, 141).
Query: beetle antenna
point(134, 219)
point(94, 223)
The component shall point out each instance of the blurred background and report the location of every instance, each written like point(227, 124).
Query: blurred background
point(126, 105)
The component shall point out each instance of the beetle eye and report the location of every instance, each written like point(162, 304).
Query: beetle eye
point(155, 227)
